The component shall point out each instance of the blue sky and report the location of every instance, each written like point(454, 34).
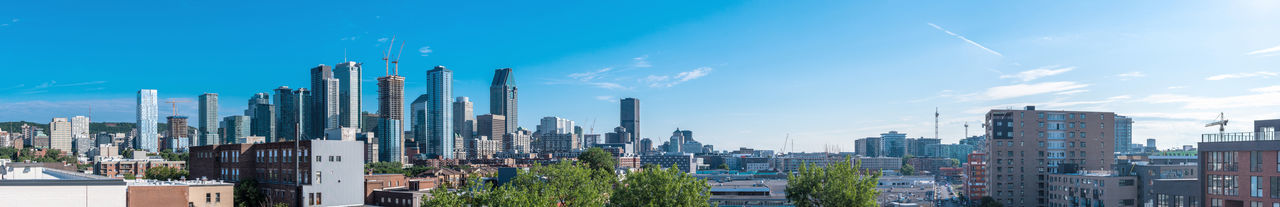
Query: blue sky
point(738, 73)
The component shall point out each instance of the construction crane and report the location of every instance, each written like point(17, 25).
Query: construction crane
point(387, 56)
point(397, 61)
point(593, 127)
point(1221, 122)
point(174, 104)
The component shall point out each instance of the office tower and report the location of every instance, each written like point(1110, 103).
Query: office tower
point(895, 144)
point(1151, 145)
point(325, 101)
point(177, 133)
point(645, 146)
point(1124, 133)
point(464, 118)
point(235, 129)
point(1239, 168)
point(440, 135)
point(517, 142)
point(208, 123)
point(869, 147)
point(618, 136)
point(630, 117)
point(490, 125)
point(148, 114)
point(390, 113)
point(555, 125)
point(677, 141)
point(916, 147)
point(555, 135)
point(1027, 145)
point(503, 99)
point(590, 140)
point(348, 75)
point(80, 126)
point(289, 114)
point(60, 134)
point(418, 124)
point(262, 116)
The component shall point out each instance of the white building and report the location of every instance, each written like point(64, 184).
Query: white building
point(148, 114)
point(25, 184)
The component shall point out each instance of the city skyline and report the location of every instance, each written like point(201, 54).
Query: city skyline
point(740, 73)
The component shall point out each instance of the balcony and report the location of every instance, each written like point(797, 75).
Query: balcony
point(1238, 137)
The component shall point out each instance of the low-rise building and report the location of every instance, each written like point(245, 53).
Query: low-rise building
point(321, 172)
point(1084, 188)
point(32, 184)
point(683, 161)
point(121, 167)
point(194, 193)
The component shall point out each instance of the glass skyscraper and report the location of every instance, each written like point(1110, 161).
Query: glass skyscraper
point(208, 123)
point(503, 99)
point(1124, 133)
point(348, 75)
point(148, 114)
point(440, 137)
point(391, 115)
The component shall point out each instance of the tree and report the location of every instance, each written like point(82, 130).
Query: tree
point(654, 186)
point(166, 173)
point(955, 162)
point(724, 166)
point(598, 159)
point(838, 184)
point(168, 155)
point(385, 168)
point(907, 169)
point(987, 201)
point(247, 193)
point(560, 184)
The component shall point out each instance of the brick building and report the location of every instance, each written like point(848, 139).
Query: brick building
point(314, 173)
point(1027, 145)
point(1240, 168)
point(118, 168)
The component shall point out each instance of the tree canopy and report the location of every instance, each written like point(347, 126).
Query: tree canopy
point(166, 173)
point(907, 169)
point(598, 159)
point(654, 186)
point(838, 184)
point(247, 193)
point(579, 184)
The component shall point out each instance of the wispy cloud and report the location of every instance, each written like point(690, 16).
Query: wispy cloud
point(1177, 87)
point(1265, 51)
point(1020, 90)
point(46, 86)
point(1037, 73)
point(664, 81)
point(1072, 92)
point(641, 62)
point(966, 39)
point(606, 98)
point(424, 50)
point(1263, 74)
point(1263, 98)
point(384, 39)
point(350, 38)
point(1268, 89)
point(1131, 75)
point(1057, 104)
point(590, 75)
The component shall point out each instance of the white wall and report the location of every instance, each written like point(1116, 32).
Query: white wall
point(96, 196)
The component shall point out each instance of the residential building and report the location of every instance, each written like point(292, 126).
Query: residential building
point(517, 142)
point(178, 131)
point(683, 161)
point(125, 167)
point(916, 147)
point(1225, 182)
point(207, 125)
point(33, 184)
point(1027, 145)
point(1168, 184)
point(975, 181)
point(196, 193)
point(482, 147)
point(60, 135)
point(1124, 133)
point(148, 115)
point(630, 116)
point(503, 99)
point(1091, 189)
point(390, 114)
point(330, 174)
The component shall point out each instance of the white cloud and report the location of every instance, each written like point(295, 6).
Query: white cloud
point(384, 39)
point(1131, 75)
point(662, 81)
point(590, 75)
point(606, 98)
point(350, 38)
point(1020, 90)
point(1263, 74)
point(424, 50)
point(1199, 102)
point(1265, 51)
point(607, 85)
point(1037, 73)
point(641, 62)
point(1177, 87)
point(1072, 92)
point(15, 19)
point(1268, 89)
point(966, 40)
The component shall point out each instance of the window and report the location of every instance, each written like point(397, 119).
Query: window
point(319, 158)
point(208, 197)
point(1255, 186)
point(1223, 185)
point(1255, 161)
point(1082, 144)
point(1082, 135)
point(319, 199)
point(339, 158)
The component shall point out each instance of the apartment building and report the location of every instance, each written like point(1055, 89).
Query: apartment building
point(1027, 145)
point(1241, 168)
point(305, 173)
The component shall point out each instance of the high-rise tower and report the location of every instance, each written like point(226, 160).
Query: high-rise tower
point(464, 118)
point(208, 123)
point(262, 119)
point(503, 98)
point(631, 117)
point(348, 75)
point(148, 114)
point(325, 101)
point(391, 114)
point(440, 136)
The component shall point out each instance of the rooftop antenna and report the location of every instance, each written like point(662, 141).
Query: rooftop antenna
point(966, 129)
point(387, 56)
point(397, 61)
point(344, 55)
point(935, 122)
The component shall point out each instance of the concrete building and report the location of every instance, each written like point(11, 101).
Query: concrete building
point(194, 193)
point(491, 125)
point(348, 75)
point(685, 162)
point(1124, 134)
point(60, 135)
point(235, 129)
point(1168, 184)
point(207, 125)
point(464, 118)
point(177, 132)
point(482, 147)
point(895, 144)
point(1027, 145)
point(1091, 189)
point(1225, 181)
point(504, 99)
point(32, 184)
point(148, 117)
point(331, 174)
point(518, 142)
point(868, 147)
point(391, 115)
point(125, 167)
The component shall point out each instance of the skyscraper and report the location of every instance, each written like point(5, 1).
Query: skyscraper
point(177, 133)
point(503, 98)
point(348, 75)
point(60, 133)
point(464, 118)
point(1124, 133)
point(895, 144)
point(440, 136)
point(235, 128)
point(490, 125)
point(208, 123)
point(148, 114)
point(79, 126)
point(262, 116)
point(631, 116)
point(325, 103)
point(291, 113)
point(390, 113)
point(418, 124)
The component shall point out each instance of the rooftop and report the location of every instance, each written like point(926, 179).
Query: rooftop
point(1238, 137)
